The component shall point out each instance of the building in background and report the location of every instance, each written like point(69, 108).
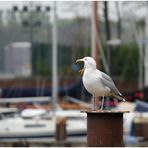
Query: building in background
point(17, 59)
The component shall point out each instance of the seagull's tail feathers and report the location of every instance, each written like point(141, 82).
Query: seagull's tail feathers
point(119, 97)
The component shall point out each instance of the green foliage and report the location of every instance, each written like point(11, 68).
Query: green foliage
point(41, 59)
point(125, 61)
point(42, 68)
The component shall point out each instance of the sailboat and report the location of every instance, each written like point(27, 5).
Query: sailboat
point(38, 124)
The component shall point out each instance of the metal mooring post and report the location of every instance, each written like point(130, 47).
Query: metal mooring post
point(104, 128)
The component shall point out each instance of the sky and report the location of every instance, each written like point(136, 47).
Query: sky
point(65, 9)
point(72, 9)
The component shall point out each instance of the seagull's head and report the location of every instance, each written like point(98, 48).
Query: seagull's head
point(89, 62)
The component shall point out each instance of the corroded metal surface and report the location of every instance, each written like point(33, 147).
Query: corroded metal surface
point(103, 111)
point(104, 128)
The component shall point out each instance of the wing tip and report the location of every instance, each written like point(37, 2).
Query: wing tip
point(123, 100)
point(122, 97)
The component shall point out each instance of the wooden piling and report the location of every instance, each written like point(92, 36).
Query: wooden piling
point(61, 133)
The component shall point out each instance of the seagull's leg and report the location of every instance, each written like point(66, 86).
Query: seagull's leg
point(97, 102)
point(102, 102)
point(94, 103)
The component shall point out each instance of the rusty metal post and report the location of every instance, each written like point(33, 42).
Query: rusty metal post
point(60, 134)
point(104, 128)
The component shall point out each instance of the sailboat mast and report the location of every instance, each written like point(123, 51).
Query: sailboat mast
point(93, 48)
point(146, 49)
point(95, 33)
point(54, 59)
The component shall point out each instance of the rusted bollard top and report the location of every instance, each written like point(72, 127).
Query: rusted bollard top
point(103, 111)
point(104, 128)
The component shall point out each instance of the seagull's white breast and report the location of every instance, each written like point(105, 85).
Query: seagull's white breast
point(93, 84)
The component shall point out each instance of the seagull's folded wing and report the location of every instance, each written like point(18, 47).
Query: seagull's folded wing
point(108, 82)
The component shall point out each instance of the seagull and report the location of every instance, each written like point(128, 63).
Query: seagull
point(97, 82)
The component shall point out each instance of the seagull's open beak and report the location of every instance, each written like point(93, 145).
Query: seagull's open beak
point(82, 70)
point(79, 60)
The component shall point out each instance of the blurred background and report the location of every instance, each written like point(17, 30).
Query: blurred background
point(39, 44)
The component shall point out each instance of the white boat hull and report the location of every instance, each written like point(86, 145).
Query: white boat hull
point(19, 127)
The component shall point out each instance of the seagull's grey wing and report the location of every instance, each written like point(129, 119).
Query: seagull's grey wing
point(108, 82)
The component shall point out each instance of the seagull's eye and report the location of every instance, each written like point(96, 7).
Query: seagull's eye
point(85, 59)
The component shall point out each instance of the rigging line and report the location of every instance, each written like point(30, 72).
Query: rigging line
point(103, 55)
point(141, 59)
point(137, 38)
point(124, 68)
point(123, 71)
point(102, 52)
point(122, 75)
